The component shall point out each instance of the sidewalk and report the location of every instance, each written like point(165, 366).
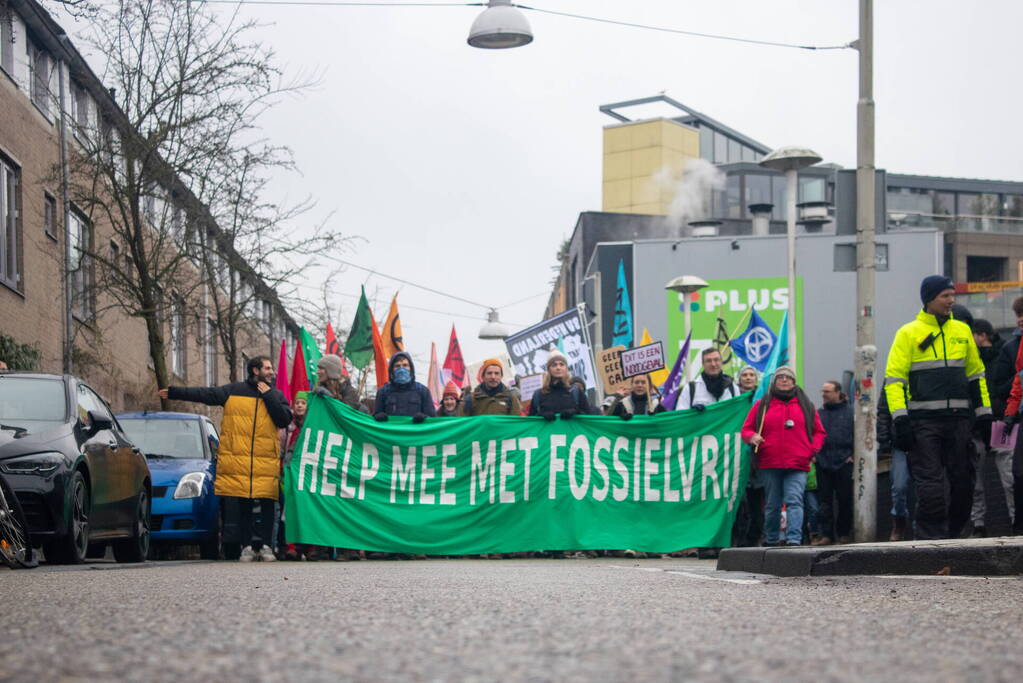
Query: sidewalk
point(970, 557)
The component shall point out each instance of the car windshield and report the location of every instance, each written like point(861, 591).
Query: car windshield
point(167, 437)
point(32, 402)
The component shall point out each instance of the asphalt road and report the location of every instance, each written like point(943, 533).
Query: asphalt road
point(481, 620)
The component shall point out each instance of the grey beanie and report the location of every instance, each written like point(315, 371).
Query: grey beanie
point(329, 366)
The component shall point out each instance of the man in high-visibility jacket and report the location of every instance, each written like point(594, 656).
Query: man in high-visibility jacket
point(936, 391)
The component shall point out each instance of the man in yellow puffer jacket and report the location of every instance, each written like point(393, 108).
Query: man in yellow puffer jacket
point(248, 457)
point(937, 392)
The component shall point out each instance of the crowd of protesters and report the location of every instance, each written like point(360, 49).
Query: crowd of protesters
point(948, 377)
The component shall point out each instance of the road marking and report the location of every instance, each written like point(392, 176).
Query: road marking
point(944, 577)
point(692, 575)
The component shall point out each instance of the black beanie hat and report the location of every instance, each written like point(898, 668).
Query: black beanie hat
point(933, 285)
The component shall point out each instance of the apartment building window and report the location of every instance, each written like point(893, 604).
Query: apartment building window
point(40, 84)
point(210, 351)
point(81, 267)
point(79, 109)
point(7, 41)
point(50, 215)
point(268, 316)
point(179, 359)
point(10, 264)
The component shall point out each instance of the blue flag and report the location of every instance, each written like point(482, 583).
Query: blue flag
point(755, 345)
point(623, 311)
point(779, 357)
point(669, 392)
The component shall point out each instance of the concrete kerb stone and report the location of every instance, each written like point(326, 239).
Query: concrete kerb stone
point(972, 557)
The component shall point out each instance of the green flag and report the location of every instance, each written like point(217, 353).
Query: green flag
point(498, 483)
point(359, 347)
point(311, 354)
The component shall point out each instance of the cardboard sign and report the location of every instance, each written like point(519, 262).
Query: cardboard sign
point(643, 359)
point(528, 386)
point(1003, 439)
point(609, 364)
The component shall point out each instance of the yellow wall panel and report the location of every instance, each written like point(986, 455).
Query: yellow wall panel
point(646, 134)
point(617, 195)
point(645, 190)
point(650, 209)
point(646, 161)
point(617, 139)
point(618, 165)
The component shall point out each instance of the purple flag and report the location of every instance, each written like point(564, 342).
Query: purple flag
point(669, 391)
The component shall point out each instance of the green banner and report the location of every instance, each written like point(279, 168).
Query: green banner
point(496, 483)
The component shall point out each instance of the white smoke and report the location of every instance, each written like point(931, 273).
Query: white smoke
point(692, 189)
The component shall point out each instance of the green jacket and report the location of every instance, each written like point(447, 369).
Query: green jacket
point(501, 401)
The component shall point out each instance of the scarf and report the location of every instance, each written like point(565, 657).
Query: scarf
point(809, 411)
point(715, 384)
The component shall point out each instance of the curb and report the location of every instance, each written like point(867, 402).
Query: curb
point(983, 557)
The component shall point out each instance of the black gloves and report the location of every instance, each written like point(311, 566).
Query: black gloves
point(418, 417)
point(569, 413)
point(380, 417)
point(1010, 420)
point(626, 416)
point(699, 407)
point(983, 425)
point(904, 439)
point(549, 416)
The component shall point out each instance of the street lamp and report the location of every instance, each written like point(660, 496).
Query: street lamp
point(493, 328)
point(686, 285)
point(500, 26)
point(790, 160)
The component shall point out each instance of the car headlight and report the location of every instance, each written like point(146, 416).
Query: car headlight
point(190, 485)
point(37, 463)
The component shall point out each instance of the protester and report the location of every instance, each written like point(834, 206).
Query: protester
point(403, 395)
point(898, 472)
point(578, 383)
point(491, 396)
point(835, 466)
point(450, 402)
point(811, 506)
point(247, 460)
point(288, 439)
point(748, 379)
point(556, 395)
point(785, 431)
point(711, 386)
point(989, 345)
point(999, 380)
point(1010, 420)
point(638, 401)
point(936, 361)
point(331, 381)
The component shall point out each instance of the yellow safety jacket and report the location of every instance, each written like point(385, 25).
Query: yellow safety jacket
point(935, 370)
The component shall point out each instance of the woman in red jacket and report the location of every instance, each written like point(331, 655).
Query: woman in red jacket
point(785, 432)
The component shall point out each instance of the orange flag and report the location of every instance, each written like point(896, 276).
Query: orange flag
point(380, 356)
point(392, 330)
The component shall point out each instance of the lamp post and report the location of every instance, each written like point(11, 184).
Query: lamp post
point(493, 328)
point(686, 285)
point(789, 160)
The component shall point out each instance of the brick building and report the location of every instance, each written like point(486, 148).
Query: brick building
point(110, 349)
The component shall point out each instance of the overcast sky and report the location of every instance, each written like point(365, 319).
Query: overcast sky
point(463, 169)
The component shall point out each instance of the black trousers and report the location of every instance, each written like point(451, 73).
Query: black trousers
point(1017, 486)
point(941, 461)
point(241, 524)
point(749, 519)
point(835, 496)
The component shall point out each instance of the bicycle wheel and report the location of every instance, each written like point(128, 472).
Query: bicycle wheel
point(15, 549)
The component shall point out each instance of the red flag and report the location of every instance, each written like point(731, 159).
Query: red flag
point(454, 363)
point(299, 377)
point(282, 372)
point(333, 347)
point(379, 356)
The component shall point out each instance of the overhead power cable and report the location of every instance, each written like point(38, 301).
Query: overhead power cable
point(540, 10)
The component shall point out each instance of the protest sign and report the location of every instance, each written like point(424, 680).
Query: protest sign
point(529, 348)
point(500, 483)
point(643, 359)
point(528, 386)
point(609, 365)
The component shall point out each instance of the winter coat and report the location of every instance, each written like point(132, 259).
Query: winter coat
point(1016, 393)
point(485, 401)
point(1000, 376)
point(647, 405)
point(558, 399)
point(884, 424)
point(784, 447)
point(248, 457)
point(837, 420)
point(696, 394)
point(406, 399)
point(349, 395)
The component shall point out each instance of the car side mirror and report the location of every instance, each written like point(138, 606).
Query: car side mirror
point(98, 423)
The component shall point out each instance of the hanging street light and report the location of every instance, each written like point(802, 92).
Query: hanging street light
point(500, 26)
point(493, 328)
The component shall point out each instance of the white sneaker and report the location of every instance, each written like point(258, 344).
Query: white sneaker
point(266, 554)
point(247, 554)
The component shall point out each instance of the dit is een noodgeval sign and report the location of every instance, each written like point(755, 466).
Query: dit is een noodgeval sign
point(496, 483)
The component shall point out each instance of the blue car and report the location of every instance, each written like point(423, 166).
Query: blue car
point(181, 450)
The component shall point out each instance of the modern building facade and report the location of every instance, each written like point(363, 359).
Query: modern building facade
point(40, 243)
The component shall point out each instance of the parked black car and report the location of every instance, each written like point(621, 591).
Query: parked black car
point(79, 479)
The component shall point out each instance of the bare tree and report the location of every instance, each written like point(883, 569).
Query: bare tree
point(189, 87)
